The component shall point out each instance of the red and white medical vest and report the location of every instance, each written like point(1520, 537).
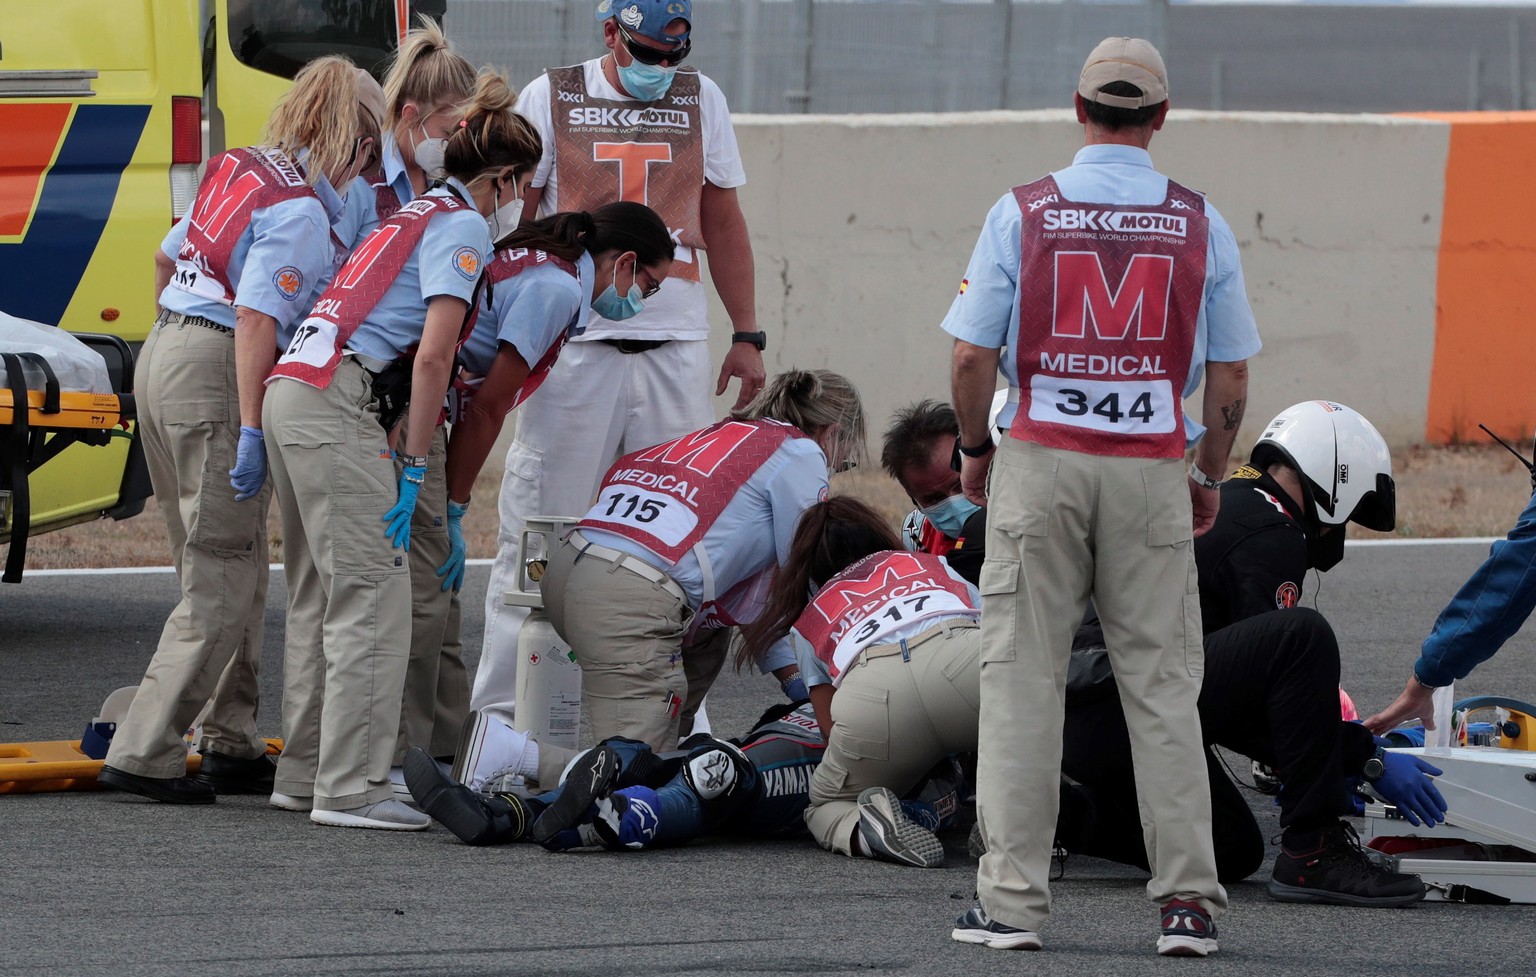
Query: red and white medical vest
point(648, 152)
point(668, 496)
point(315, 352)
point(1109, 298)
point(515, 261)
point(877, 596)
point(236, 185)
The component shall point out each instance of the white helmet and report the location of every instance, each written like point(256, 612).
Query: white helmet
point(1342, 459)
point(999, 401)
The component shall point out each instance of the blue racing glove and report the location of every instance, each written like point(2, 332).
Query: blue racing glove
point(1406, 783)
point(250, 471)
point(452, 571)
point(399, 517)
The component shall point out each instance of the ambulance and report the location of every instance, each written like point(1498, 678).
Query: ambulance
point(108, 110)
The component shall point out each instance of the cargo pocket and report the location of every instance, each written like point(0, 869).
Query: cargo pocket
point(1022, 491)
point(961, 671)
point(999, 585)
point(219, 523)
point(1170, 516)
point(862, 723)
point(359, 547)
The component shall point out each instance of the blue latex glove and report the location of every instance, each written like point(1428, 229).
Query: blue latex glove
point(1407, 784)
point(250, 471)
point(452, 572)
point(399, 517)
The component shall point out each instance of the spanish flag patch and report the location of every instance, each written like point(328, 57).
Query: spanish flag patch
point(965, 283)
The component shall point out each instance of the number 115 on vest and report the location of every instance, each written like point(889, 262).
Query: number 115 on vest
point(665, 517)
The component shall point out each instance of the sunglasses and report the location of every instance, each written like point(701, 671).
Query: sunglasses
point(652, 56)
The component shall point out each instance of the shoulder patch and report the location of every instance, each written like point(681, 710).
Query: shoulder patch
point(466, 261)
point(1247, 471)
point(1287, 596)
point(288, 281)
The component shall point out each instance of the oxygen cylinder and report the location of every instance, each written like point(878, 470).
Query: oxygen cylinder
point(548, 687)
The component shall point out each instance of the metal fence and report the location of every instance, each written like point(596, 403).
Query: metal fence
point(795, 56)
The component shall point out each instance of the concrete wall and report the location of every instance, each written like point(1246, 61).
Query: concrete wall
point(862, 227)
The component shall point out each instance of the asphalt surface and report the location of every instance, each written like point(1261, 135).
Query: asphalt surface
point(94, 883)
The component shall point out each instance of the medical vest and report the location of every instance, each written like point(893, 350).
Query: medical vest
point(648, 152)
point(876, 597)
point(507, 263)
point(1109, 300)
point(316, 349)
point(237, 184)
point(666, 497)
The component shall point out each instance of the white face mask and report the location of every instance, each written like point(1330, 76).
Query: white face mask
point(430, 153)
point(503, 219)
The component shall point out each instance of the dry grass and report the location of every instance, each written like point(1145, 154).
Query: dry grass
point(1462, 491)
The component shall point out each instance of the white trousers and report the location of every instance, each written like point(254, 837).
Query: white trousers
point(595, 405)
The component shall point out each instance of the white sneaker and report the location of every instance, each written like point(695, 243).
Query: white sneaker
point(291, 802)
point(489, 750)
point(386, 815)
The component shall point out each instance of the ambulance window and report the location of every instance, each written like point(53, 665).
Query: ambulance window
point(281, 36)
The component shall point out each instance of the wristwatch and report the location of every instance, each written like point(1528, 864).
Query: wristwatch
point(758, 339)
point(1375, 766)
point(1203, 480)
point(976, 450)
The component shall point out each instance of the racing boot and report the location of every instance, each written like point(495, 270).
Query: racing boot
point(589, 776)
point(474, 818)
point(1332, 868)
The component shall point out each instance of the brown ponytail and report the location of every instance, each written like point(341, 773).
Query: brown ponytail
point(619, 226)
point(831, 536)
point(489, 135)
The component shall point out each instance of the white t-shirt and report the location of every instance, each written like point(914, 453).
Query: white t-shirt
point(679, 310)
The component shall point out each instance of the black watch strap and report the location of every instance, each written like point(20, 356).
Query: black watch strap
point(1375, 766)
point(758, 339)
point(976, 450)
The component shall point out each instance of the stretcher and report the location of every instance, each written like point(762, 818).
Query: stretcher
point(1485, 852)
point(52, 421)
point(32, 768)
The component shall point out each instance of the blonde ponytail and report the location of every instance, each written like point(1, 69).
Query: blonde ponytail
point(813, 401)
point(426, 70)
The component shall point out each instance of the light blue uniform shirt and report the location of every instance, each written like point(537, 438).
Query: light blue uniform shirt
point(289, 238)
point(755, 529)
point(530, 311)
point(986, 312)
point(361, 215)
point(447, 261)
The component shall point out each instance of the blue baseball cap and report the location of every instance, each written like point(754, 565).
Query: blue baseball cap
point(649, 17)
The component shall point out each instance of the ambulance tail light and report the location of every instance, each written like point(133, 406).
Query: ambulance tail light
point(186, 151)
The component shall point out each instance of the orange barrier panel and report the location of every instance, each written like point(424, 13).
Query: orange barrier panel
point(1485, 357)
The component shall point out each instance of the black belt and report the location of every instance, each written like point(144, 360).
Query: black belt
point(197, 320)
point(627, 346)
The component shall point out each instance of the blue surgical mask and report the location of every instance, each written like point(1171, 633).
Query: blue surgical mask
point(949, 517)
point(610, 306)
point(646, 82)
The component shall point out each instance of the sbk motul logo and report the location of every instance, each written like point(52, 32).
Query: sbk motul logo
point(627, 118)
point(1124, 222)
point(1083, 295)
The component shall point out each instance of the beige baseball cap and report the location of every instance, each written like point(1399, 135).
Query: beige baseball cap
point(370, 96)
point(1128, 59)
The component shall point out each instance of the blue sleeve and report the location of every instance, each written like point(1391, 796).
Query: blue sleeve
point(538, 312)
point(812, 669)
point(779, 654)
point(983, 310)
point(451, 254)
point(171, 246)
point(290, 253)
point(359, 214)
point(1489, 608)
point(799, 483)
point(1232, 334)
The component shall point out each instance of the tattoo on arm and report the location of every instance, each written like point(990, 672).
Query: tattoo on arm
point(1232, 416)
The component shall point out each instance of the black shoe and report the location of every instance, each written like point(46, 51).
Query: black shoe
point(234, 775)
point(592, 775)
point(171, 790)
point(1338, 872)
point(473, 818)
